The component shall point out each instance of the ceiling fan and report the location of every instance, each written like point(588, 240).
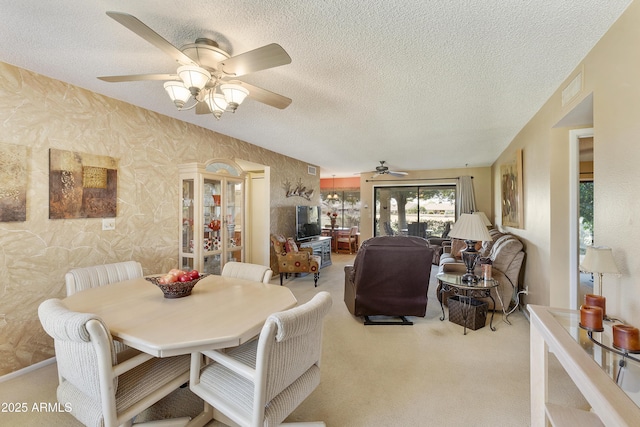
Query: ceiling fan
point(384, 170)
point(207, 73)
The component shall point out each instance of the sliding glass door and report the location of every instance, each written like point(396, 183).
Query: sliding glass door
point(420, 211)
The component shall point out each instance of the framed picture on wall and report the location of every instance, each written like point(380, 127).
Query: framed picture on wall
point(82, 185)
point(13, 182)
point(511, 192)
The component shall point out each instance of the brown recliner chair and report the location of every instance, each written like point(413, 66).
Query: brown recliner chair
point(389, 277)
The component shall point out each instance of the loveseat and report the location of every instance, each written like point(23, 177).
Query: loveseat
point(389, 277)
point(506, 254)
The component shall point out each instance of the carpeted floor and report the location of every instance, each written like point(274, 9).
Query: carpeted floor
point(428, 374)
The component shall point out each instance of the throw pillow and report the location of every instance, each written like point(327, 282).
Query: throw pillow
point(291, 245)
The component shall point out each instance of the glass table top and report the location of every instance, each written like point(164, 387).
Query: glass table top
point(456, 280)
point(622, 370)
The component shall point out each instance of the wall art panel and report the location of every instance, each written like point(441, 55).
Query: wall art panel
point(82, 185)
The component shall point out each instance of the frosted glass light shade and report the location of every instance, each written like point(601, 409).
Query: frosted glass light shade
point(216, 102)
point(470, 227)
point(178, 93)
point(234, 94)
point(194, 77)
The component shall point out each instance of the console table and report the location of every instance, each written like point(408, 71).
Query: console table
point(593, 369)
point(321, 247)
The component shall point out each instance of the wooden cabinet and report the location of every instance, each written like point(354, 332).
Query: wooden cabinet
point(321, 247)
point(212, 215)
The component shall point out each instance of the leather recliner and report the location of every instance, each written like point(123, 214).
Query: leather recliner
point(389, 277)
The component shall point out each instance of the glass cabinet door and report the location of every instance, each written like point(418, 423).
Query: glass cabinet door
point(213, 237)
point(234, 220)
point(187, 221)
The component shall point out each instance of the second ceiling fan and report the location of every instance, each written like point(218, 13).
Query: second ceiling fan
point(207, 73)
point(384, 170)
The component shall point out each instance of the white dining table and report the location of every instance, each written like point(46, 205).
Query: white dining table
point(221, 312)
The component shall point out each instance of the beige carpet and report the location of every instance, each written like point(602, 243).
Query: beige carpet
point(428, 374)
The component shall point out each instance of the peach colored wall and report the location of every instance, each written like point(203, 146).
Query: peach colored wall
point(611, 73)
point(328, 183)
point(42, 113)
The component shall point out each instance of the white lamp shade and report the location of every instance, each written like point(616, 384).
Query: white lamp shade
point(234, 94)
point(178, 93)
point(216, 102)
point(470, 227)
point(599, 259)
point(194, 77)
point(482, 215)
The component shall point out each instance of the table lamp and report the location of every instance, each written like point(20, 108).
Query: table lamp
point(482, 215)
point(599, 260)
point(471, 229)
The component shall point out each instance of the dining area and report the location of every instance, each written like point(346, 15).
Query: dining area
point(122, 344)
point(343, 239)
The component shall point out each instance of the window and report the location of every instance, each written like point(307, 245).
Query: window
point(414, 210)
point(346, 208)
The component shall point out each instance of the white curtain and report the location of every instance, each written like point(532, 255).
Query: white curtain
point(465, 199)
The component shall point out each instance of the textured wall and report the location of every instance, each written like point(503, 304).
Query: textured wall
point(610, 74)
point(42, 113)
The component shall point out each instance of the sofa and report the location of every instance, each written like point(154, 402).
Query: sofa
point(506, 253)
point(389, 277)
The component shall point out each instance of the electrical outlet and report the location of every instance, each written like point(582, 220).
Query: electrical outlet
point(108, 223)
point(526, 290)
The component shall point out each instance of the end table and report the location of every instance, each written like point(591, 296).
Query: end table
point(452, 282)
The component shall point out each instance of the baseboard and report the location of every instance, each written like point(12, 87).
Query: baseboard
point(27, 369)
point(525, 312)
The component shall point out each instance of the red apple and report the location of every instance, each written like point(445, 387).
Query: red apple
point(166, 279)
point(184, 277)
point(194, 274)
point(175, 272)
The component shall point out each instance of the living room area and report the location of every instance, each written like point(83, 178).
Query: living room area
point(426, 374)
point(430, 373)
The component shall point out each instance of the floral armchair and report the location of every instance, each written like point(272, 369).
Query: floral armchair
point(292, 259)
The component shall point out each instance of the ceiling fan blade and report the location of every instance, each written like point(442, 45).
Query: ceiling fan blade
point(266, 97)
point(202, 108)
point(139, 77)
point(269, 56)
point(394, 173)
point(141, 29)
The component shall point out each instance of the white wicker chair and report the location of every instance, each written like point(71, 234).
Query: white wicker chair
point(261, 382)
point(99, 389)
point(91, 277)
point(83, 278)
point(245, 270)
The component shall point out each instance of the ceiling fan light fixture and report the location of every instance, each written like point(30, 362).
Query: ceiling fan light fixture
point(234, 95)
point(178, 93)
point(194, 78)
point(216, 102)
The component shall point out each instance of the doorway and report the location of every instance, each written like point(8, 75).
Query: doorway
point(577, 138)
point(585, 212)
point(258, 212)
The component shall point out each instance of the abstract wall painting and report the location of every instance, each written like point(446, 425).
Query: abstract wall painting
point(13, 182)
point(82, 185)
point(511, 191)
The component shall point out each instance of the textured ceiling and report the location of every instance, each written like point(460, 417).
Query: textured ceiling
point(421, 84)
